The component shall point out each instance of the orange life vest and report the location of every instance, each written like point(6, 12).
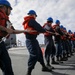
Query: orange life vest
point(73, 38)
point(54, 26)
point(3, 19)
point(26, 26)
point(64, 36)
point(46, 34)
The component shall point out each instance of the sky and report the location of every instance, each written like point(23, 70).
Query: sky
point(63, 10)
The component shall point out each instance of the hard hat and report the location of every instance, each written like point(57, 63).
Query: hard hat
point(69, 31)
point(57, 22)
point(64, 28)
point(32, 12)
point(61, 26)
point(6, 3)
point(50, 19)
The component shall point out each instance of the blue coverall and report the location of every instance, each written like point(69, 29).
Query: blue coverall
point(35, 53)
point(49, 51)
point(5, 61)
point(58, 42)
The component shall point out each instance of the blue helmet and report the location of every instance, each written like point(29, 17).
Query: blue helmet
point(61, 26)
point(6, 3)
point(32, 12)
point(50, 19)
point(64, 28)
point(69, 31)
point(57, 22)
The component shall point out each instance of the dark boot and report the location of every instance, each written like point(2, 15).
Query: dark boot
point(29, 72)
point(46, 69)
point(63, 59)
point(68, 55)
point(54, 62)
point(49, 66)
point(58, 60)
